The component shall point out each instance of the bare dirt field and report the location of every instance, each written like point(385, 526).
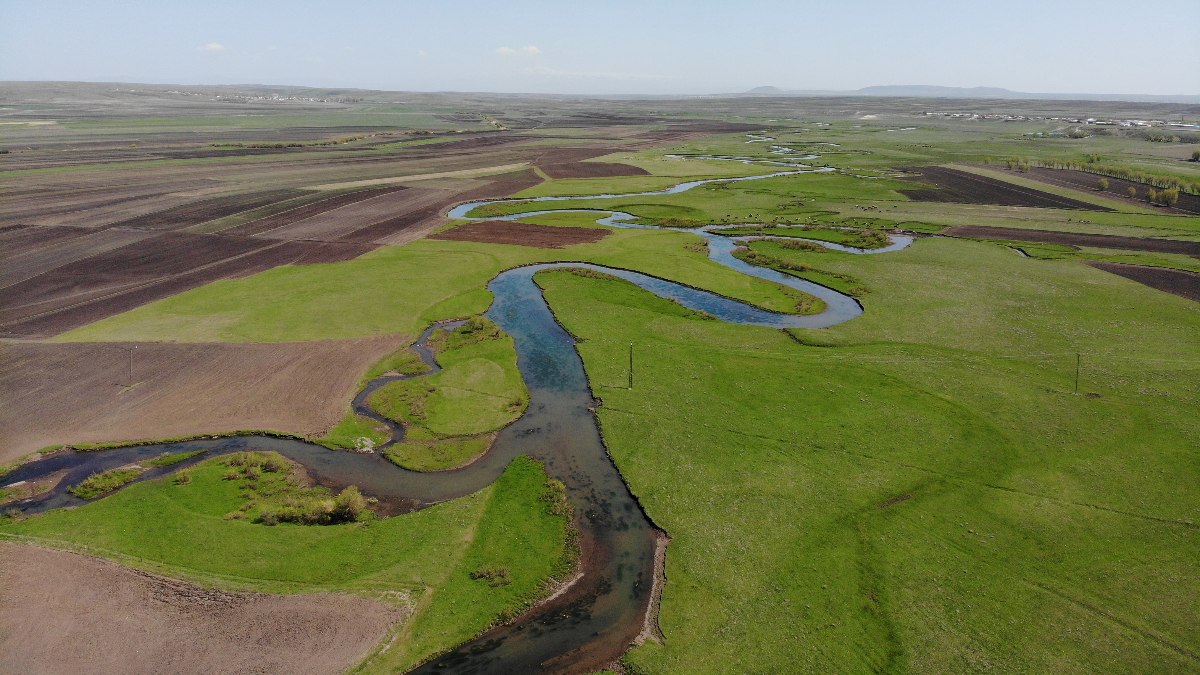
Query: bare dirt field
point(1179, 282)
point(1081, 180)
point(523, 234)
point(91, 288)
point(79, 392)
point(592, 170)
point(961, 187)
point(18, 239)
point(342, 222)
point(56, 254)
point(421, 221)
point(62, 612)
point(64, 202)
point(204, 210)
point(570, 163)
point(308, 210)
point(1075, 239)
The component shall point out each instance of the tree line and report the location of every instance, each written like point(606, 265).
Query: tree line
point(1093, 164)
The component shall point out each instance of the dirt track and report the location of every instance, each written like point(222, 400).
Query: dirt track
point(75, 393)
point(62, 612)
point(1075, 239)
point(523, 234)
point(1181, 283)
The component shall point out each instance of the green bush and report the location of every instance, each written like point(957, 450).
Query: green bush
point(99, 483)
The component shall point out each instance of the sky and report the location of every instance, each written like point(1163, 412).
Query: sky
point(613, 47)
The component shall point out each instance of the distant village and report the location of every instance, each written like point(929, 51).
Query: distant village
point(1101, 122)
point(247, 98)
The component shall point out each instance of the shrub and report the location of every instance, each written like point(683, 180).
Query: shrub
point(275, 464)
point(349, 505)
point(1102, 184)
point(99, 483)
point(495, 576)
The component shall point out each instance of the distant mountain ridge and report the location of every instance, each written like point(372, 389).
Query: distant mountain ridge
point(935, 91)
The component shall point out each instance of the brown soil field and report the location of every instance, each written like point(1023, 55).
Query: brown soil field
point(32, 263)
point(553, 156)
point(53, 303)
point(523, 234)
point(308, 210)
point(63, 612)
point(342, 221)
point(19, 239)
point(80, 393)
point(313, 252)
point(503, 185)
point(166, 253)
point(1117, 187)
point(186, 215)
point(422, 221)
point(961, 187)
point(1182, 283)
point(1075, 239)
point(87, 275)
point(592, 170)
point(89, 206)
point(569, 163)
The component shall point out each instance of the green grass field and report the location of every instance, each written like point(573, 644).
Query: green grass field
point(424, 558)
point(402, 290)
point(449, 416)
point(928, 495)
point(920, 489)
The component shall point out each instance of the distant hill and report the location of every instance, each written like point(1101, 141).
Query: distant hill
point(935, 91)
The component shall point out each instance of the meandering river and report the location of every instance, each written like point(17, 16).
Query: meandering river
point(595, 619)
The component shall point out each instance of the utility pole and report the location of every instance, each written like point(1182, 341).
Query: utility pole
point(631, 365)
point(1078, 358)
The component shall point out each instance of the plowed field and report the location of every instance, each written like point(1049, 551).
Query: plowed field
point(1179, 282)
point(961, 187)
point(1076, 239)
point(523, 234)
point(63, 612)
point(79, 392)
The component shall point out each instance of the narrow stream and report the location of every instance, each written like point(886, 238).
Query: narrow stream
point(595, 620)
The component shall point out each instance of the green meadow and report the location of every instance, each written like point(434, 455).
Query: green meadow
point(421, 560)
point(919, 489)
point(992, 470)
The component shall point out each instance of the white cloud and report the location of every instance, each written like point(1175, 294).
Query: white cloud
point(422, 54)
point(213, 48)
point(592, 75)
point(527, 50)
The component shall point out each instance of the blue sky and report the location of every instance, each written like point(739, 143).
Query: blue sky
point(646, 47)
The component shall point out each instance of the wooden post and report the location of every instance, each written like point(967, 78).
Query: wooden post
point(631, 365)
